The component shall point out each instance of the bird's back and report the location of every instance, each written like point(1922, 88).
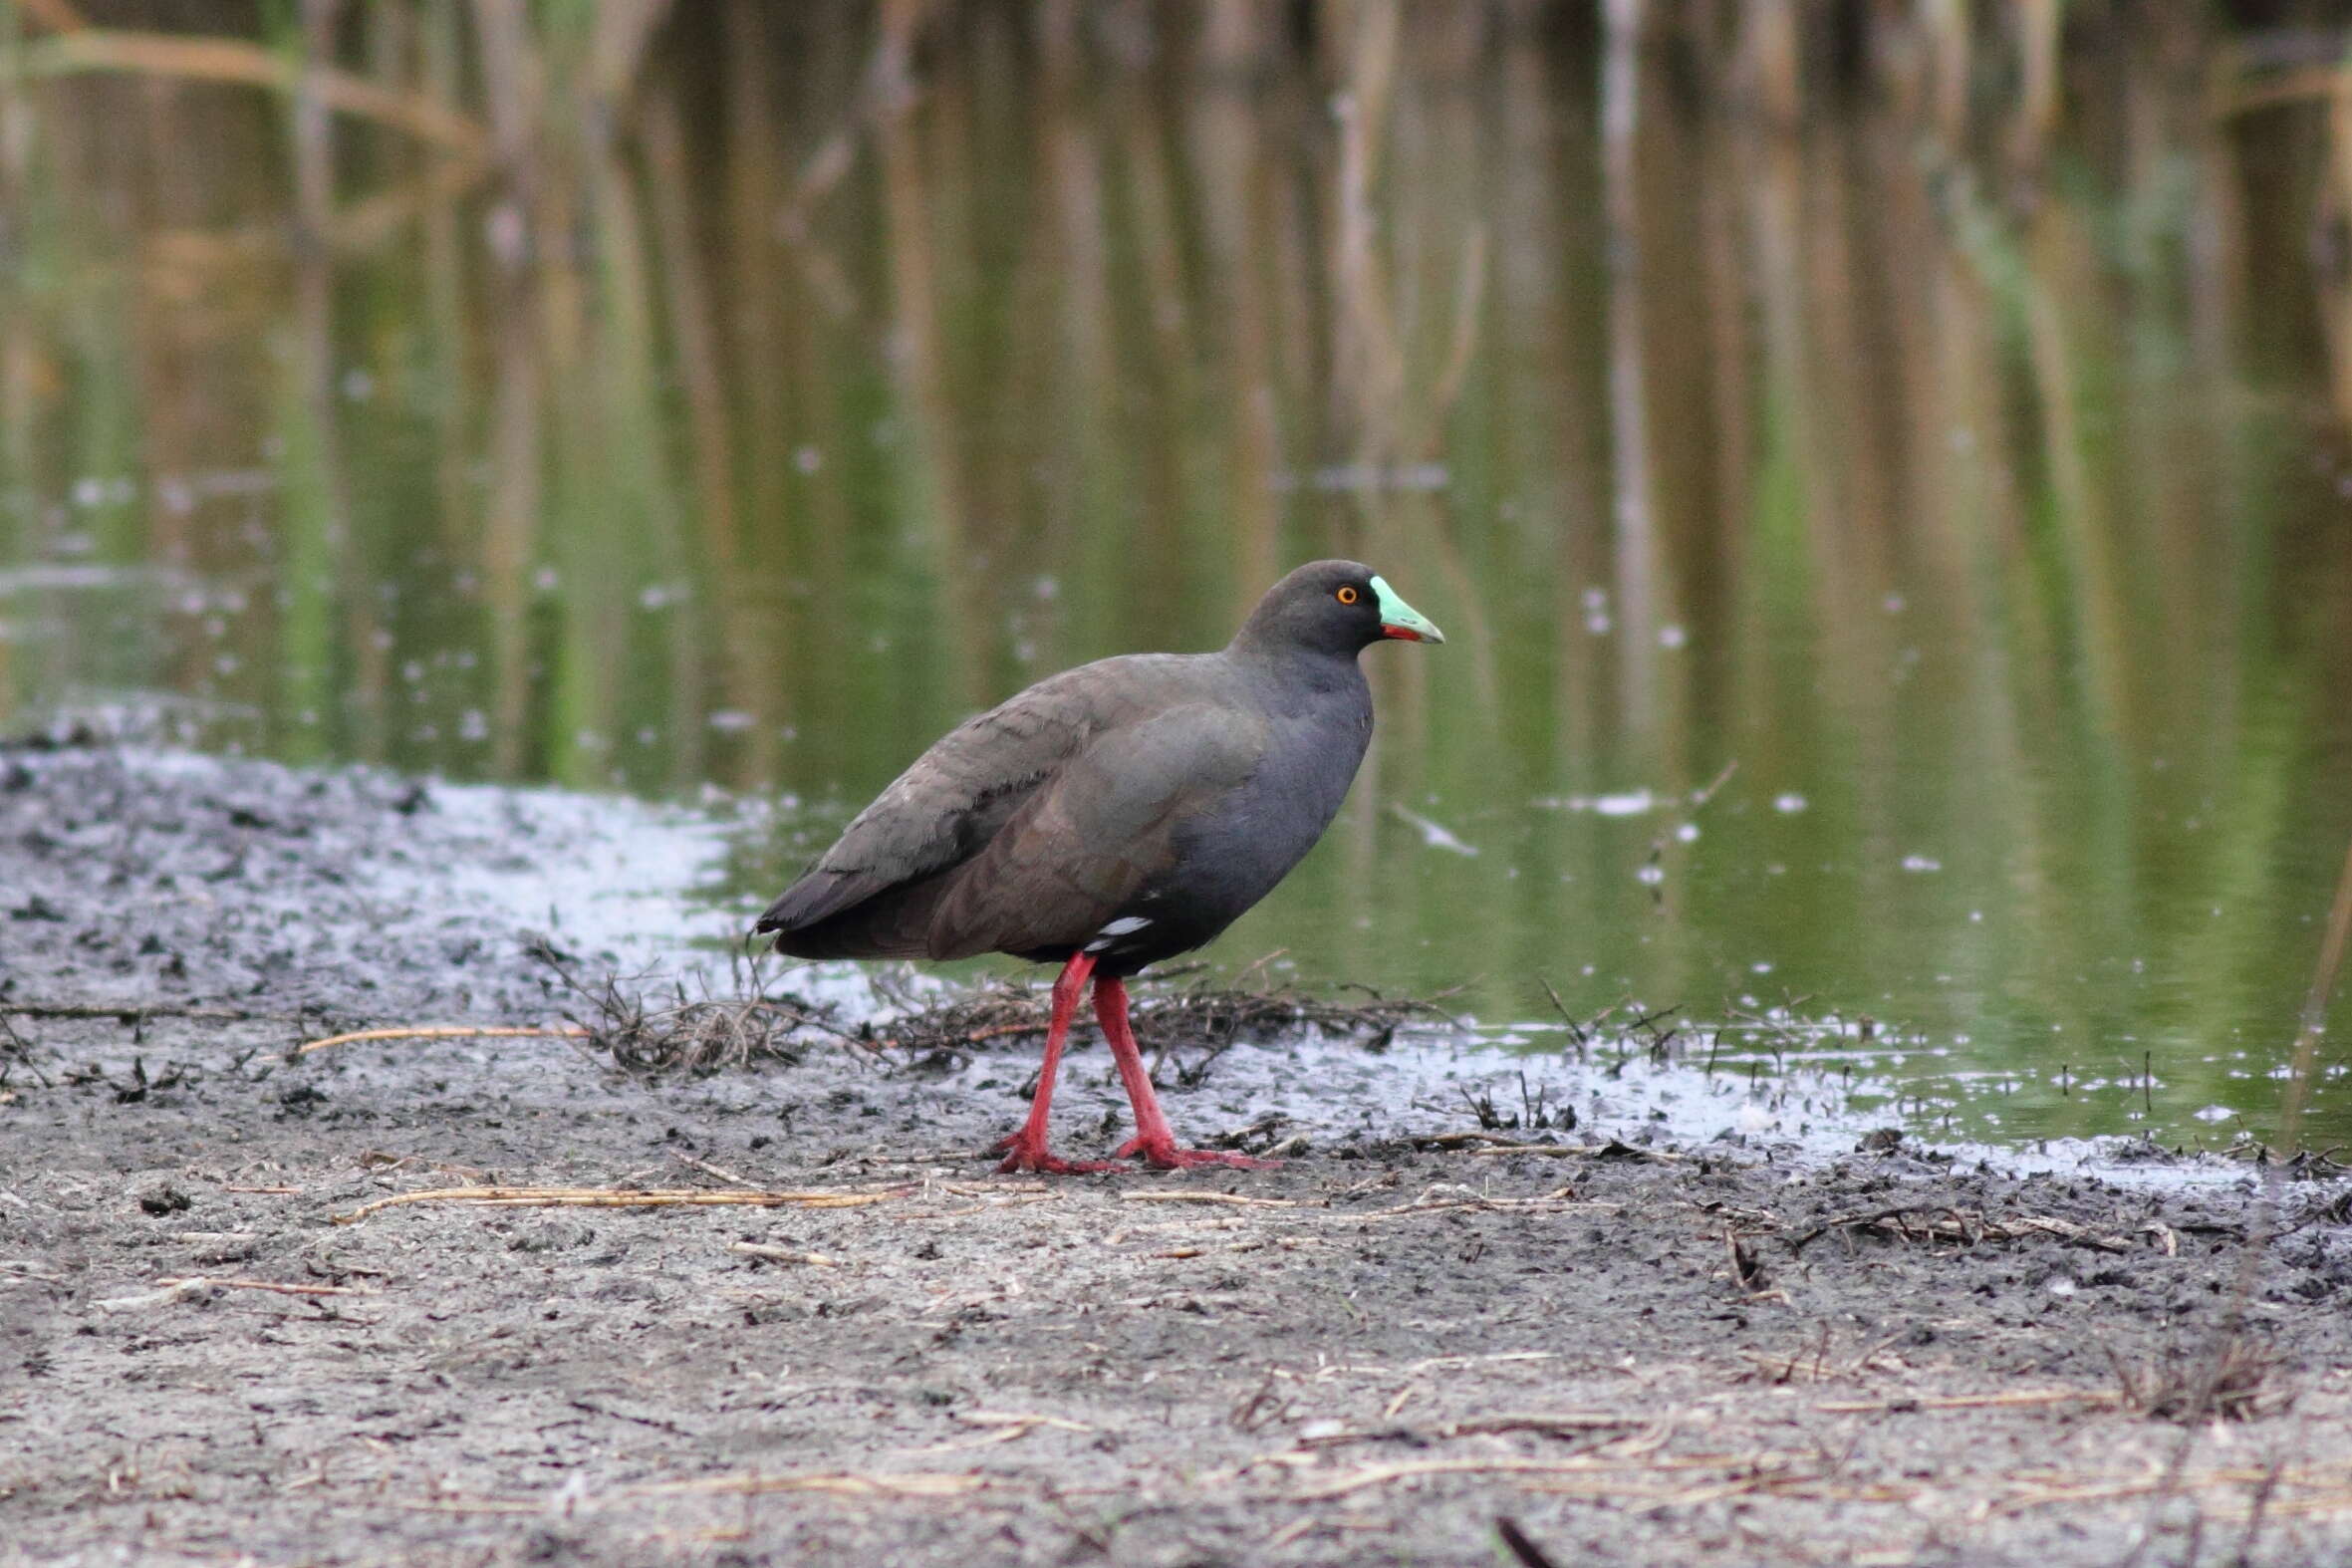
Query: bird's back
point(1083, 768)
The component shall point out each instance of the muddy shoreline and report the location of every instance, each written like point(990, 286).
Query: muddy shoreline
point(1682, 1348)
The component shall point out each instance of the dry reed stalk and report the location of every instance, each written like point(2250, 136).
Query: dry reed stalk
point(235, 61)
point(623, 33)
point(368, 225)
point(59, 16)
point(2040, 27)
point(1947, 26)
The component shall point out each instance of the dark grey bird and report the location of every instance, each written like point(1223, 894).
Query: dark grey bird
point(1113, 816)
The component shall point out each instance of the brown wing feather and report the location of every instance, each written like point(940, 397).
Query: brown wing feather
point(1087, 843)
point(871, 894)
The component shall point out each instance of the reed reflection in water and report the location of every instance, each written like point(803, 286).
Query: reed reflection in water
point(1940, 432)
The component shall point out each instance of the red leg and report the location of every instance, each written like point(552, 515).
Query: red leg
point(1155, 1140)
point(1026, 1150)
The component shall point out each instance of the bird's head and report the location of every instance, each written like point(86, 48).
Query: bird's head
point(1334, 607)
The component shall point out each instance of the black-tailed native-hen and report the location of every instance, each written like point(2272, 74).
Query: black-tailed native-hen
point(1112, 816)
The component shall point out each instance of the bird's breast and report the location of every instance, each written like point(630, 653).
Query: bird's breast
point(1235, 850)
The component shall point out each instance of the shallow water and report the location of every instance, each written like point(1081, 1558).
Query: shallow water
point(1883, 597)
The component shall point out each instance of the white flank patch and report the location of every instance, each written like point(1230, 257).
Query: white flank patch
point(1124, 925)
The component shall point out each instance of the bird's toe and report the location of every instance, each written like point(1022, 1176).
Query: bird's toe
point(1166, 1156)
point(1023, 1157)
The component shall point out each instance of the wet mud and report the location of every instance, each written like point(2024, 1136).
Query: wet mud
point(1636, 1334)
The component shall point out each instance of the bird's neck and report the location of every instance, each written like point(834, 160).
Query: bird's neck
point(1297, 664)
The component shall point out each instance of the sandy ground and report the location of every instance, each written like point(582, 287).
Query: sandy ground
point(1703, 1353)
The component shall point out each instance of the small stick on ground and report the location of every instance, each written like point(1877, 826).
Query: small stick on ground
point(771, 1255)
point(1526, 1552)
point(550, 1032)
point(1234, 1198)
point(1018, 1419)
point(2014, 1399)
point(167, 1291)
point(607, 1198)
point(209, 1282)
point(720, 1172)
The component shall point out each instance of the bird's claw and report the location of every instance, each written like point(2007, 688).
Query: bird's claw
point(1164, 1155)
point(1020, 1156)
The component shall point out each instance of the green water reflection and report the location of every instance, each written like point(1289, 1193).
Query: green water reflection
point(747, 415)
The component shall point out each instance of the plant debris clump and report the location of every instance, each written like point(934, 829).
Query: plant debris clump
point(1169, 1018)
point(2236, 1381)
point(650, 1024)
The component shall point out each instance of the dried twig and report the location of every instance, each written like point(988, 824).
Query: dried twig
point(609, 1198)
point(170, 1291)
point(435, 1032)
point(2014, 1399)
point(1968, 1227)
point(916, 1484)
point(771, 1255)
point(1234, 1198)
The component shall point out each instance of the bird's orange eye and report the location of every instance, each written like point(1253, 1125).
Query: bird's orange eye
point(1347, 596)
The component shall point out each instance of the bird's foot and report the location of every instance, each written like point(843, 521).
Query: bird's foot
point(1023, 1156)
point(1162, 1153)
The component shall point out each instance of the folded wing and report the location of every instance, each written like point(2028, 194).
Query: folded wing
point(1024, 824)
